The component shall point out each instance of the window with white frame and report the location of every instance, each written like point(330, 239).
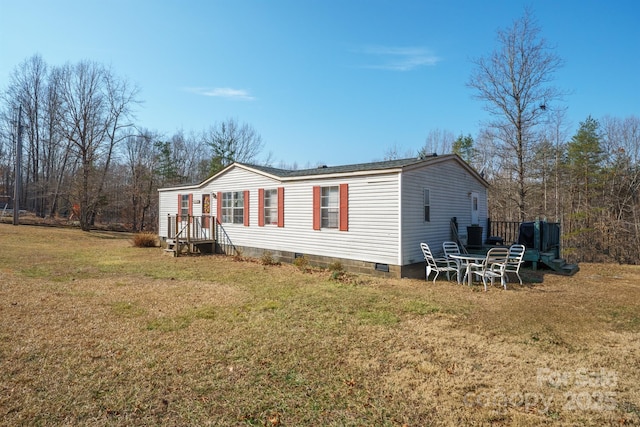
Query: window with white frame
point(233, 207)
point(184, 206)
point(427, 206)
point(271, 207)
point(330, 207)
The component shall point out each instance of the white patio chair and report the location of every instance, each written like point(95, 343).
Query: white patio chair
point(437, 264)
point(493, 267)
point(515, 260)
point(450, 248)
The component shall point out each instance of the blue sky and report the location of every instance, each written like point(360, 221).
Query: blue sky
point(332, 82)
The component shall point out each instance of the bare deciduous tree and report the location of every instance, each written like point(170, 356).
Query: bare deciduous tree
point(438, 141)
point(60, 164)
point(140, 159)
point(96, 108)
point(232, 142)
point(27, 89)
point(396, 152)
point(514, 82)
point(621, 141)
point(190, 156)
point(35, 87)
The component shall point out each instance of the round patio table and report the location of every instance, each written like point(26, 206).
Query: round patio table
point(464, 262)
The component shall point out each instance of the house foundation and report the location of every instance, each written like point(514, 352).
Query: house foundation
point(349, 265)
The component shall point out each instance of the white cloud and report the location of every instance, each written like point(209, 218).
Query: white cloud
point(400, 58)
point(223, 92)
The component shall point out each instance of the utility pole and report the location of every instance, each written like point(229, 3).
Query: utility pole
point(18, 172)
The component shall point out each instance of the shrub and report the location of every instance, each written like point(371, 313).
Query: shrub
point(145, 240)
point(301, 263)
point(267, 259)
point(337, 271)
point(337, 275)
point(336, 267)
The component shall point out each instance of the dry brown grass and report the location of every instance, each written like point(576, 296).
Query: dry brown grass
point(96, 331)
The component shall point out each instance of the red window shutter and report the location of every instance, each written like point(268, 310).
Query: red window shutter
point(219, 207)
point(179, 206)
point(280, 206)
point(260, 207)
point(190, 206)
point(246, 208)
point(316, 207)
point(344, 207)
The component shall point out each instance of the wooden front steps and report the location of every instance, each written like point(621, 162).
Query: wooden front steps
point(558, 265)
point(173, 247)
point(176, 247)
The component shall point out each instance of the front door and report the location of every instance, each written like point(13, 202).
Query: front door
point(206, 211)
point(474, 208)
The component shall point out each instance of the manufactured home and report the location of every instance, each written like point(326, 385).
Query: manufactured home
point(370, 217)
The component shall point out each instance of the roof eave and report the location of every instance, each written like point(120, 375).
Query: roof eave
point(342, 174)
point(180, 187)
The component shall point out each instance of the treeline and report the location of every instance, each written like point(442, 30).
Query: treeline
point(588, 181)
point(85, 159)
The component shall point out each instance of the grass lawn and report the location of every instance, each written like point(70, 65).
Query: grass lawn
point(95, 331)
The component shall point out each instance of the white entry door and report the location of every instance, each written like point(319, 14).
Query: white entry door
point(474, 208)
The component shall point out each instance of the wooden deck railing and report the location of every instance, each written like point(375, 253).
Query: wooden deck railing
point(192, 229)
point(545, 235)
point(507, 230)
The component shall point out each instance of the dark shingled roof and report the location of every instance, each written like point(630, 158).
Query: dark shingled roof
point(345, 169)
point(326, 170)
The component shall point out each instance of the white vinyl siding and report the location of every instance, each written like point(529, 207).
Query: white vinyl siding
point(376, 214)
point(449, 196)
point(373, 233)
point(168, 205)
